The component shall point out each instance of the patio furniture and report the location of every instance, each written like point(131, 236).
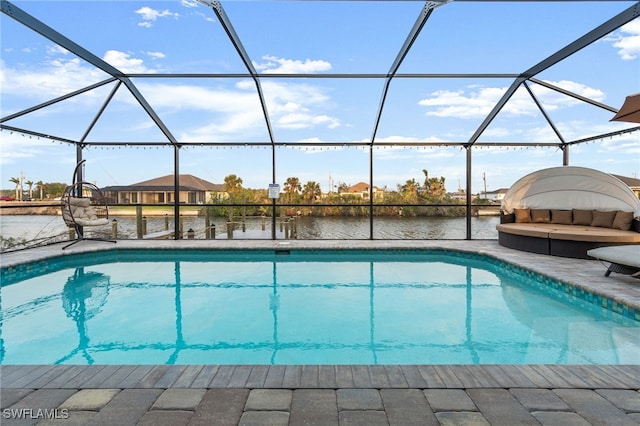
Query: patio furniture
point(567, 211)
point(623, 259)
point(84, 205)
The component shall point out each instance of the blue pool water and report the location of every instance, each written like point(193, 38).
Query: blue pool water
point(302, 307)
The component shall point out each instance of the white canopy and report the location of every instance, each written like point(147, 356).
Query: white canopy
point(568, 187)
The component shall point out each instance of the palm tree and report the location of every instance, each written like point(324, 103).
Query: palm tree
point(233, 187)
point(409, 190)
point(17, 183)
point(292, 186)
point(434, 186)
point(343, 187)
point(41, 188)
point(311, 191)
point(30, 185)
point(232, 184)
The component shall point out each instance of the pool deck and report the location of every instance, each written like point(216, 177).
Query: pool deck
point(332, 394)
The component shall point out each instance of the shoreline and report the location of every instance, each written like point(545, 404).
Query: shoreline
point(52, 208)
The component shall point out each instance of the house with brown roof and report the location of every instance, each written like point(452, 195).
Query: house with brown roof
point(193, 190)
point(361, 189)
point(631, 182)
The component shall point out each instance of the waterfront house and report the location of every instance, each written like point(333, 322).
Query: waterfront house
point(632, 182)
point(361, 189)
point(160, 190)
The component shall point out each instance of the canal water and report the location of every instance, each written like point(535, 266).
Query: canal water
point(37, 227)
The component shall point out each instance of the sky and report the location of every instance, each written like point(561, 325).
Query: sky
point(315, 37)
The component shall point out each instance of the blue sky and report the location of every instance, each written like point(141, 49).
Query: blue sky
point(319, 37)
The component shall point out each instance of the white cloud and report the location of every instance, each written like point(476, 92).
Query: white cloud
point(125, 63)
point(293, 105)
point(61, 73)
point(189, 3)
point(54, 49)
point(275, 65)
point(191, 97)
point(156, 55)
point(16, 147)
point(302, 121)
point(406, 139)
point(53, 78)
point(290, 106)
point(476, 102)
point(460, 104)
point(236, 108)
point(149, 15)
point(627, 40)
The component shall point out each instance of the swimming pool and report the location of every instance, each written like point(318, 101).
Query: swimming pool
point(301, 307)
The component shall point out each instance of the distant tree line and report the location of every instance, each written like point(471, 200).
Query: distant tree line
point(411, 199)
point(35, 190)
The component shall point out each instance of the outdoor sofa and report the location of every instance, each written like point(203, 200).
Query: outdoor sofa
point(567, 211)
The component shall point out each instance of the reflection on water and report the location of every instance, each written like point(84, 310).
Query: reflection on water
point(305, 308)
point(83, 295)
point(308, 228)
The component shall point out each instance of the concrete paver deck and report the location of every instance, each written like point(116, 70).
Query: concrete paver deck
point(327, 394)
point(387, 406)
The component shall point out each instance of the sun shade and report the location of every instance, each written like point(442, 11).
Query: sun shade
point(630, 110)
point(570, 187)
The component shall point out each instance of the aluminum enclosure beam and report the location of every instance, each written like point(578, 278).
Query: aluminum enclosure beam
point(29, 21)
point(404, 50)
point(544, 113)
point(56, 100)
point(100, 112)
point(573, 95)
point(41, 28)
point(592, 36)
point(244, 56)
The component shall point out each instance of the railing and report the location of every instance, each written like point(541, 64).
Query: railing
point(306, 221)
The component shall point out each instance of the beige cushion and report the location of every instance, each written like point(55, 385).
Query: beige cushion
point(82, 202)
point(582, 217)
point(96, 222)
point(90, 213)
point(525, 229)
point(66, 214)
point(603, 219)
point(622, 220)
point(540, 216)
point(522, 215)
point(570, 232)
point(562, 216)
point(77, 211)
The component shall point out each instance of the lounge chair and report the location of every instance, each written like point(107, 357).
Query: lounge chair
point(623, 259)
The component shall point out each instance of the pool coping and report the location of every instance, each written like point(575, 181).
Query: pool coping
point(343, 376)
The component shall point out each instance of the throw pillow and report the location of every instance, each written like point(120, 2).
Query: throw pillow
point(623, 220)
point(540, 216)
point(603, 219)
point(522, 215)
point(582, 217)
point(563, 217)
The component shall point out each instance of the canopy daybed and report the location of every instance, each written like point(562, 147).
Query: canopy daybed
point(566, 211)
